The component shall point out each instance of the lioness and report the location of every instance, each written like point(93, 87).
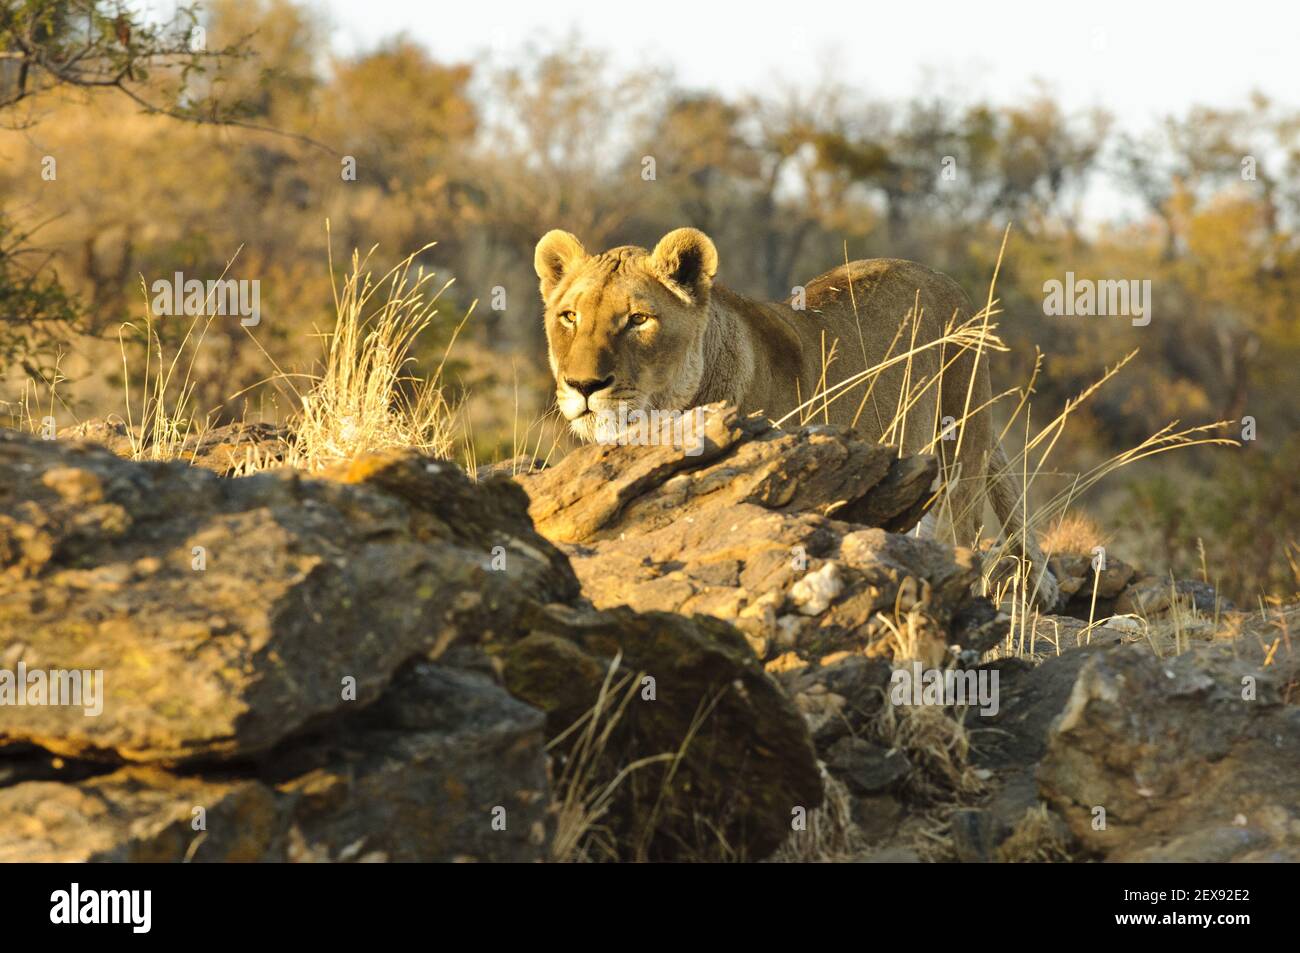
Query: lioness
point(652, 330)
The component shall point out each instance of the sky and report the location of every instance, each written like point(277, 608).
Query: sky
point(1140, 59)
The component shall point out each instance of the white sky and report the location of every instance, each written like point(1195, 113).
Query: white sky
point(1139, 59)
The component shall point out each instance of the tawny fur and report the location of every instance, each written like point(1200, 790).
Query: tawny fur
point(693, 341)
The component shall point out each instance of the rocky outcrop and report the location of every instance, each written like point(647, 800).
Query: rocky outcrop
point(110, 432)
point(604, 491)
point(764, 528)
point(1195, 757)
point(1120, 589)
point(637, 653)
point(323, 666)
point(227, 615)
point(229, 450)
point(1123, 755)
point(1152, 595)
point(446, 766)
point(236, 448)
point(1075, 575)
point(729, 758)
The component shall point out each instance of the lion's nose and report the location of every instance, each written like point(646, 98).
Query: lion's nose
point(588, 387)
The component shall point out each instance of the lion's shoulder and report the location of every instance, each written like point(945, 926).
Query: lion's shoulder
point(769, 323)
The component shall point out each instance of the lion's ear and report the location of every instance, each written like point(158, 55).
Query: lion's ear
point(557, 254)
point(686, 261)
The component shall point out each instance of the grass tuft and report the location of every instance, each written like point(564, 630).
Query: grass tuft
point(365, 397)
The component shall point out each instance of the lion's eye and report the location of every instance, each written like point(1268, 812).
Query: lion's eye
point(567, 318)
point(639, 319)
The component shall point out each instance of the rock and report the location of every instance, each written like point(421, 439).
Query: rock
point(813, 594)
point(895, 576)
point(1122, 590)
point(1074, 572)
point(108, 432)
point(980, 835)
point(1125, 625)
point(1057, 634)
point(139, 814)
point(866, 768)
point(1217, 845)
point(233, 448)
point(877, 816)
point(600, 491)
point(227, 450)
point(445, 766)
point(1007, 745)
point(364, 666)
point(764, 528)
point(515, 466)
point(740, 752)
point(838, 699)
point(226, 615)
point(974, 835)
point(422, 776)
point(1150, 596)
point(1029, 698)
point(1191, 757)
point(522, 698)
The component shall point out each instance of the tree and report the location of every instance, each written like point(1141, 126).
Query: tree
point(91, 45)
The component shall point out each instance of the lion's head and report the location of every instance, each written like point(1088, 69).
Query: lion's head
point(625, 329)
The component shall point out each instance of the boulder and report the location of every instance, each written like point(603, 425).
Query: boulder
point(731, 757)
point(226, 615)
point(764, 528)
point(1152, 595)
point(139, 813)
point(840, 697)
point(866, 768)
point(236, 448)
point(228, 450)
point(604, 491)
point(109, 432)
point(1195, 757)
point(1075, 574)
point(447, 766)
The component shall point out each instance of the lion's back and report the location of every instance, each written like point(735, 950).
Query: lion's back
point(883, 291)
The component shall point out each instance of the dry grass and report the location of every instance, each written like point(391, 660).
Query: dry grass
point(1010, 578)
point(912, 634)
point(162, 417)
point(937, 746)
point(42, 421)
point(1037, 838)
point(365, 395)
point(166, 416)
point(934, 742)
point(942, 779)
point(365, 398)
point(532, 446)
point(832, 835)
point(584, 793)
